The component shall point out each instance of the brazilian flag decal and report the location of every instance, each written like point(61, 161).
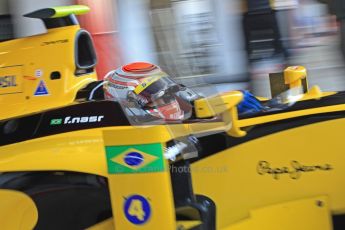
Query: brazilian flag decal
point(135, 158)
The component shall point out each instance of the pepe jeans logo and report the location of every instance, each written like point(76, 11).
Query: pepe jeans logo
point(295, 169)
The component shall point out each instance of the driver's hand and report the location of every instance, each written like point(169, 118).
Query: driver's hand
point(249, 104)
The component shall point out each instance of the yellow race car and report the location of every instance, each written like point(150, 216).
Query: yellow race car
point(72, 159)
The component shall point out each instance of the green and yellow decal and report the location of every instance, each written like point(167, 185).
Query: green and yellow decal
point(135, 158)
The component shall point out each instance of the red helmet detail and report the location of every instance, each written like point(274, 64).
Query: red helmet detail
point(139, 67)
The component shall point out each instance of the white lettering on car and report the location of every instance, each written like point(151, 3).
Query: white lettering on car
point(78, 120)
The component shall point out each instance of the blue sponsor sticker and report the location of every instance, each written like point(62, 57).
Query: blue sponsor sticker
point(137, 209)
point(41, 89)
point(133, 159)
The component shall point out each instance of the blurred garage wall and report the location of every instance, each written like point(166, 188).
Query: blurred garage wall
point(200, 39)
point(6, 31)
point(136, 37)
point(3, 7)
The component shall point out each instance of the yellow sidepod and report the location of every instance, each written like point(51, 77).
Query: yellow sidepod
point(297, 163)
point(17, 210)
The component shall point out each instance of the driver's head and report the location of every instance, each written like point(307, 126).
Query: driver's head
point(148, 86)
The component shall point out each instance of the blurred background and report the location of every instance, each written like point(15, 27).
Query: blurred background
point(232, 44)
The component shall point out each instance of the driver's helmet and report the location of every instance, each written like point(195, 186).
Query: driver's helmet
point(148, 86)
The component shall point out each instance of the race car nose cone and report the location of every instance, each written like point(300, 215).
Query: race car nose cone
point(139, 67)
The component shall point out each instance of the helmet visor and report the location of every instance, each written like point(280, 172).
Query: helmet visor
point(154, 89)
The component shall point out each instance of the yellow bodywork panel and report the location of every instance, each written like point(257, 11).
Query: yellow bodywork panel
point(315, 93)
point(145, 197)
point(289, 165)
point(212, 106)
point(81, 151)
point(17, 211)
point(155, 188)
point(26, 69)
point(306, 214)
